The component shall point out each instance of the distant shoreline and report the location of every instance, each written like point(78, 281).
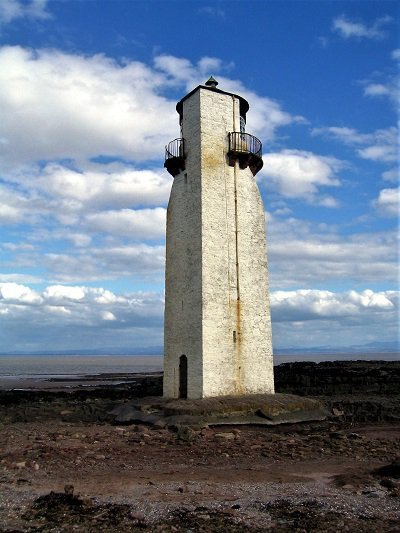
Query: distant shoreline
point(277, 353)
point(90, 375)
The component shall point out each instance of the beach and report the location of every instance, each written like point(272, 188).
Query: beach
point(66, 463)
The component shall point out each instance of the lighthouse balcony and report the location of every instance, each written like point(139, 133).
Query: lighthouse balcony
point(175, 157)
point(246, 149)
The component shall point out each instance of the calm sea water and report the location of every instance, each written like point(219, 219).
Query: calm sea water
point(72, 365)
point(76, 365)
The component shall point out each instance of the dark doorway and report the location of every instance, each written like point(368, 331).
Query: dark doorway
point(183, 376)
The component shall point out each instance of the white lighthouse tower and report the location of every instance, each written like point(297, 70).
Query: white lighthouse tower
point(218, 338)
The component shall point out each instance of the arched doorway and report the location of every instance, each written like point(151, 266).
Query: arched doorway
point(183, 376)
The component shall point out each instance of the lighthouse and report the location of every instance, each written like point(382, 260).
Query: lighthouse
point(217, 328)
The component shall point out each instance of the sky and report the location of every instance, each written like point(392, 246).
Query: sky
point(87, 103)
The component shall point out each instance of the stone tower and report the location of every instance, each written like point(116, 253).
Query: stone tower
point(217, 338)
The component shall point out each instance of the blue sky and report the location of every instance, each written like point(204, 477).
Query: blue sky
point(87, 102)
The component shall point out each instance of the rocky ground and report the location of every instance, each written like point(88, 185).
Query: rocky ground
point(65, 465)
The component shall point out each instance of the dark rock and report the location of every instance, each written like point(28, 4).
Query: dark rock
point(337, 435)
point(389, 483)
point(338, 377)
point(186, 434)
point(390, 470)
point(69, 490)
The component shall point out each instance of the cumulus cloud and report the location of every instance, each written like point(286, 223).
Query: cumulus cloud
point(301, 174)
point(388, 202)
point(71, 317)
point(381, 145)
point(86, 106)
point(113, 185)
point(266, 114)
point(82, 106)
point(66, 310)
point(308, 254)
point(14, 9)
point(307, 304)
point(85, 305)
point(141, 224)
point(78, 137)
point(135, 263)
point(310, 318)
point(348, 28)
point(13, 293)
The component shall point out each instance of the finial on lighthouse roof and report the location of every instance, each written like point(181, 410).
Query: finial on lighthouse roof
point(211, 82)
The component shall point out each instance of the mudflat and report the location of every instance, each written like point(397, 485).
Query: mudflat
point(67, 465)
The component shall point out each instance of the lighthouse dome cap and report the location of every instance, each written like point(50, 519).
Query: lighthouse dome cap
point(211, 82)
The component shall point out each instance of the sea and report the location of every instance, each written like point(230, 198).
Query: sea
point(14, 368)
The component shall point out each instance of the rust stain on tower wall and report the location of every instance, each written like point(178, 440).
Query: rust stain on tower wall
point(238, 347)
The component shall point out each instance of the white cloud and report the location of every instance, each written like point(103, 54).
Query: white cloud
point(15, 293)
point(13, 9)
point(396, 54)
point(68, 315)
point(389, 89)
point(300, 174)
point(391, 175)
point(84, 219)
point(107, 315)
point(309, 254)
point(354, 29)
point(84, 304)
point(381, 145)
point(14, 205)
point(62, 292)
point(141, 224)
point(266, 115)
point(384, 84)
point(323, 318)
point(381, 152)
point(82, 106)
point(113, 185)
point(306, 304)
point(86, 106)
point(136, 263)
point(376, 89)
point(388, 202)
point(19, 278)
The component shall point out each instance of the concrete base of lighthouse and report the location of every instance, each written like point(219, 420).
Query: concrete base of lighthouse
point(256, 409)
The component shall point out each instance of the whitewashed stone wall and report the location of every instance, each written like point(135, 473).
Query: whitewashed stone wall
point(227, 340)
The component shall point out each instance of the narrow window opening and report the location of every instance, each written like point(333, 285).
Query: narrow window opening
point(234, 336)
point(242, 124)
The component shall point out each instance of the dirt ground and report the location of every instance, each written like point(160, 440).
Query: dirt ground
point(66, 467)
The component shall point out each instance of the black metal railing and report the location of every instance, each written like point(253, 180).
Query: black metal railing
point(174, 149)
point(246, 149)
point(244, 143)
point(175, 157)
